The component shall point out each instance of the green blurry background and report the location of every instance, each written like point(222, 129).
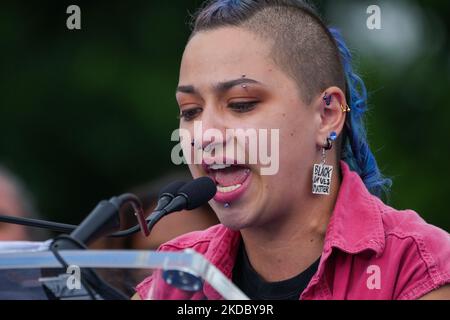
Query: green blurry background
point(88, 114)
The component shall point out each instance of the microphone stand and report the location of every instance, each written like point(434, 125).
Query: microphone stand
point(102, 220)
point(67, 228)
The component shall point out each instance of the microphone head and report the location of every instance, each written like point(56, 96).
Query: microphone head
point(171, 189)
point(198, 192)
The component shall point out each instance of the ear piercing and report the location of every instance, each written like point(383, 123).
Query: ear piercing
point(330, 139)
point(345, 109)
point(327, 99)
point(322, 173)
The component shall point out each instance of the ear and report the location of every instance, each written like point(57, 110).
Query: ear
point(332, 118)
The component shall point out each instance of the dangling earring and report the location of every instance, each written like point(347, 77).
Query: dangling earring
point(321, 180)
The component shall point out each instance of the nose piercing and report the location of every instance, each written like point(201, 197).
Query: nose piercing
point(330, 139)
point(198, 147)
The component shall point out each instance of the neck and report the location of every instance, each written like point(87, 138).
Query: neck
point(284, 248)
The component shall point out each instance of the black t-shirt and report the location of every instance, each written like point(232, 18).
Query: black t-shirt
point(256, 288)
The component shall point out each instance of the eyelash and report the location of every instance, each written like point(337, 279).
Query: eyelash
point(239, 107)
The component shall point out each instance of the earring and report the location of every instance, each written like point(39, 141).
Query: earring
point(322, 173)
point(345, 108)
point(327, 99)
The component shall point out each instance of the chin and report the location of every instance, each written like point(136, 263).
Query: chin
point(234, 218)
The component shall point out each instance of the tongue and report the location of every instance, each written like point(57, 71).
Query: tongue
point(231, 176)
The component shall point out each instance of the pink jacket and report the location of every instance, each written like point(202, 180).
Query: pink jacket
point(371, 251)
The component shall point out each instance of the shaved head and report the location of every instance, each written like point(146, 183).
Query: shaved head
point(301, 45)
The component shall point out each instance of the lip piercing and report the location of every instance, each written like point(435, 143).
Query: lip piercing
point(226, 205)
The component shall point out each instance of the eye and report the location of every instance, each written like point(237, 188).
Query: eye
point(243, 106)
point(189, 114)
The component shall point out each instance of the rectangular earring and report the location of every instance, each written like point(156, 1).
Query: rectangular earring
point(322, 173)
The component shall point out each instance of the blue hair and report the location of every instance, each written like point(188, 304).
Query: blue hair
point(355, 150)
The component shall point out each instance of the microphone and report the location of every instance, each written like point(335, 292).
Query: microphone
point(165, 196)
point(168, 193)
point(192, 191)
point(104, 219)
point(191, 196)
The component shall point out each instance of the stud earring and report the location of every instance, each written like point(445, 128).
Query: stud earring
point(329, 143)
point(322, 173)
point(327, 99)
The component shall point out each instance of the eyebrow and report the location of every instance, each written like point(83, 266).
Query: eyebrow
point(219, 87)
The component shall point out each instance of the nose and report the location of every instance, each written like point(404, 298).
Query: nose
point(213, 129)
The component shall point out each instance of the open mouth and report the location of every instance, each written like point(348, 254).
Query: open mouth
point(231, 179)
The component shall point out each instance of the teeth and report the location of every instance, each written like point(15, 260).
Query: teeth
point(229, 188)
point(219, 166)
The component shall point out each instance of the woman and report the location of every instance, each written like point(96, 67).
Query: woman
point(306, 232)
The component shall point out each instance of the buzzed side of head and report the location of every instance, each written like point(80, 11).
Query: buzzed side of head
point(301, 45)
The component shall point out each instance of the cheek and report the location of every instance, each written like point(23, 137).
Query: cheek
point(195, 171)
point(296, 143)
